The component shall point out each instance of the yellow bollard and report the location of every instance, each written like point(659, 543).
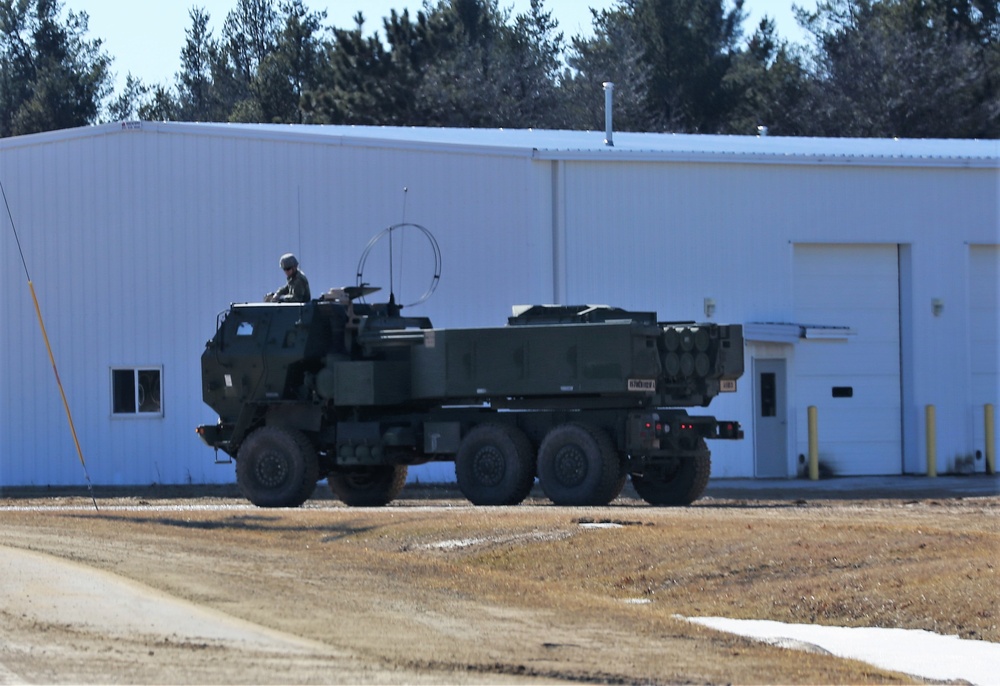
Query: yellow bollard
point(991, 440)
point(931, 428)
point(813, 444)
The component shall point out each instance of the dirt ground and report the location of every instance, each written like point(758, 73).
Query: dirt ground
point(204, 588)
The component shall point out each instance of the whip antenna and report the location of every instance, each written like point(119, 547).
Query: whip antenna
point(48, 347)
point(402, 237)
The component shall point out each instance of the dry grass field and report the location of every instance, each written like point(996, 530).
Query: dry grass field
point(433, 590)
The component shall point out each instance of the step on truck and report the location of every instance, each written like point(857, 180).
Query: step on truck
point(580, 398)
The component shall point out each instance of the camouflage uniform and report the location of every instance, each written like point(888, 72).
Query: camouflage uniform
point(295, 291)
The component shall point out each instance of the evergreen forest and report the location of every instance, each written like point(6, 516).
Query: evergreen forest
point(869, 68)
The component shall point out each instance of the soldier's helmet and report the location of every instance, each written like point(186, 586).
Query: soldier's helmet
point(288, 261)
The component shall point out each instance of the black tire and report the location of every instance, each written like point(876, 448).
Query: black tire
point(622, 476)
point(277, 467)
point(367, 486)
point(495, 465)
point(683, 486)
point(579, 465)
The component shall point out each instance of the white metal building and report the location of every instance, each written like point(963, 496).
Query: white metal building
point(866, 273)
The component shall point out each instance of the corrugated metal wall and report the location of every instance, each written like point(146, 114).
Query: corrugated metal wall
point(137, 239)
point(668, 236)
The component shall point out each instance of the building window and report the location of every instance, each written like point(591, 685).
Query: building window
point(136, 391)
point(768, 394)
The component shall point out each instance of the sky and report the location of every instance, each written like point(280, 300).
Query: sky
point(145, 39)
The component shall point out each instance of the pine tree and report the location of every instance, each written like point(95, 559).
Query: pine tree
point(613, 54)
point(689, 46)
point(905, 68)
point(292, 68)
point(197, 99)
point(51, 75)
point(768, 83)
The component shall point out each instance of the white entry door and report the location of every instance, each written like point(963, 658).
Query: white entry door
point(770, 419)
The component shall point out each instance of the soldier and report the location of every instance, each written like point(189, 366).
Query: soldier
point(297, 288)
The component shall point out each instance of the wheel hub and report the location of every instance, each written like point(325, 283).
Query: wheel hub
point(570, 466)
point(488, 466)
point(271, 470)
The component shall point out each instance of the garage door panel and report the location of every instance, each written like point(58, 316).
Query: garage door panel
point(838, 423)
point(862, 318)
point(984, 333)
point(857, 362)
point(984, 361)
point(867, 458)
point(984, 309)
point(985, 277)
point(816, 258)
point(983, 339)
point(984, 300)
point(854, 294)
point(856, 286)
point(863, 358)
point(984, 392)
point(869, 391)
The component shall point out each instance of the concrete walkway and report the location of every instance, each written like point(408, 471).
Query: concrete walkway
point(834, 488)
point(860, 487)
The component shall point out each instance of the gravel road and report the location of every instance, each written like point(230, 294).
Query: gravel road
point(212, 590)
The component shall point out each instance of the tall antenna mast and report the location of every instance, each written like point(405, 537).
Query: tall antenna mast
point(48, 346)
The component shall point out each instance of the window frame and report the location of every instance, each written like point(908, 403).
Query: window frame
point(137, 387)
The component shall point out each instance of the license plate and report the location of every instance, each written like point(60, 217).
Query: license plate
point(642, 385)
point(727, 386)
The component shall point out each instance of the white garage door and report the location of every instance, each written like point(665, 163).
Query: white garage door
point(984, 330)
point(853, 381)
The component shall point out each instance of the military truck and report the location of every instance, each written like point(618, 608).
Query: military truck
point(579, 397)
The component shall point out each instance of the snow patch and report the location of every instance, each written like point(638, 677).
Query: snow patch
point(462, 543)
point(910, 651)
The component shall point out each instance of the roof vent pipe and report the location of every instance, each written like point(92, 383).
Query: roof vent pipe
point(609, 96)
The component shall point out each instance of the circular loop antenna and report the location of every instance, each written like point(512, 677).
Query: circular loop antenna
point(388, 232)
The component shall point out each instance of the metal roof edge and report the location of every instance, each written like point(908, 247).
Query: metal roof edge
point(707, 157)
point(525, 144)
point(272, 132)
point(322, 136)
point(440, 146)
point(60, 135)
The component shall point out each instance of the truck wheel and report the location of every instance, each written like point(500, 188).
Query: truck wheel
point(277, 467)
point(368, 486)
point(622, 476)
point(682, 486)
point(495, 465)
point(578, 465)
